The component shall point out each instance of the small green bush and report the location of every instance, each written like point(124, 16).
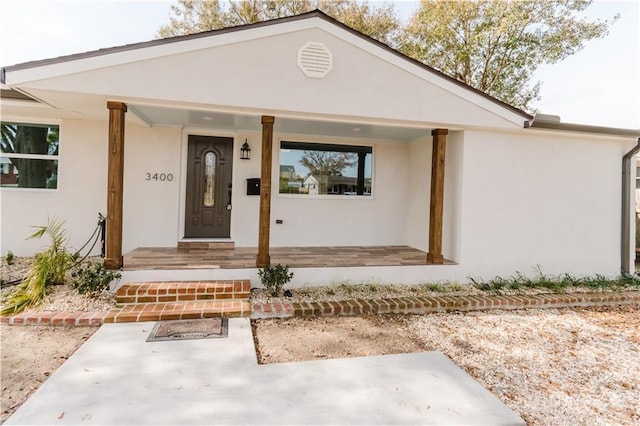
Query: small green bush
point(275, 277)
point(9, 258)
point(92, 278)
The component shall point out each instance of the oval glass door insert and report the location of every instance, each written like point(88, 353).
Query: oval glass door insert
point(210, 179)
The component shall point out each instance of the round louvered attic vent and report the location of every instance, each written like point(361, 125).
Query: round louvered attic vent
point(315, 60)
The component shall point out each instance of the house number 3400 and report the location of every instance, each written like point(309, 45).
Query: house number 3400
point(162, 177)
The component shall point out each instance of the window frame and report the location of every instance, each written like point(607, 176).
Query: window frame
point(48, 157)
point(325, 146)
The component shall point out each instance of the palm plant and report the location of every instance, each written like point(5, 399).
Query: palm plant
point(49, 267)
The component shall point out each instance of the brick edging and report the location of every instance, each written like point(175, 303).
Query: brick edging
point(432, 304)
point(399, 305)
point(63, 318)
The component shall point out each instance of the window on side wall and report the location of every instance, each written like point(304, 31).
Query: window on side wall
point(325, 169)
point(29, 156)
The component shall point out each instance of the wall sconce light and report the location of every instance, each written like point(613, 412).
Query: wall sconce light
point(245, 151)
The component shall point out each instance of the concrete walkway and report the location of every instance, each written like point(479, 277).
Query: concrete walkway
point(118, 378)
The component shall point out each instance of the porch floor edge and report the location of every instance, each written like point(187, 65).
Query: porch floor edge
point(170, 258)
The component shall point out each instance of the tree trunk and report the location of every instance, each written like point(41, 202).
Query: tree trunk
point(32, 140)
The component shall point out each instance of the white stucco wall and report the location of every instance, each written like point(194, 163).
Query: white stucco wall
point(516, 201)
point(346, 220)
point(419, 186)
point(453, 197)
point(541, 198)
point(151, 207)
point(246, 208)
point(81, 193)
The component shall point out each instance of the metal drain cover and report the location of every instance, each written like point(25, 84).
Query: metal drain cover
point(189, 329)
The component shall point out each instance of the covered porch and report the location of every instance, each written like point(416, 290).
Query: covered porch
point(327, 255)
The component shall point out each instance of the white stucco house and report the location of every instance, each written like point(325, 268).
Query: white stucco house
point(151, 134)
point(310, 185)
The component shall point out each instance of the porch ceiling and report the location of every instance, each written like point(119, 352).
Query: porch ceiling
point(84, 106)
point(229, 121)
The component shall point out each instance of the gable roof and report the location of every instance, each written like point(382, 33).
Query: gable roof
point(313, 14)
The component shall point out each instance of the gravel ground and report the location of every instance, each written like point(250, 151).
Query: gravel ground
point(347, 291)
point(60, 297)
point(552, 367)
point(16, 270)
point(556, 366)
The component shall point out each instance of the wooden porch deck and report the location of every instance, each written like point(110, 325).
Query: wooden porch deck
point(159, 258)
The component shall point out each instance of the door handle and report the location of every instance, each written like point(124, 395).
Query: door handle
point(229, 193)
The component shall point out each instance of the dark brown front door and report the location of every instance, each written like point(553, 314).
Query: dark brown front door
point(208, 210)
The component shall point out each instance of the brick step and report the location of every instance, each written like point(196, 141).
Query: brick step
point(177, 291)
point(141, 312)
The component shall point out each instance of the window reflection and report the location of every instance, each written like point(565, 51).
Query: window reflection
point(325, 169)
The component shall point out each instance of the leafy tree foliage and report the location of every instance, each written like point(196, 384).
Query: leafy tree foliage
point(380, 23)
point(192, 16)
point(328, 163)
point(496, 45)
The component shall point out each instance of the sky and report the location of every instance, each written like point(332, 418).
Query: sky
point(599, 85)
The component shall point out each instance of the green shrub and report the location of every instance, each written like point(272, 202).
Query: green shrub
point(92, 278)
point(275, 277)
point(435, 287)
point(555, 284)
point(9, 258)
point(49, 267)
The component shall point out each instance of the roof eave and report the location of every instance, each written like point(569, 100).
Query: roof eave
point(584, 128)
point(9, 93)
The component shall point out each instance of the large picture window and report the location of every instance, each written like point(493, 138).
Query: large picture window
point(29, 155)
point(325, 169)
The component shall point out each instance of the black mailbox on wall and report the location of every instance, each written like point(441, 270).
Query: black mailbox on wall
point(253, 186)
